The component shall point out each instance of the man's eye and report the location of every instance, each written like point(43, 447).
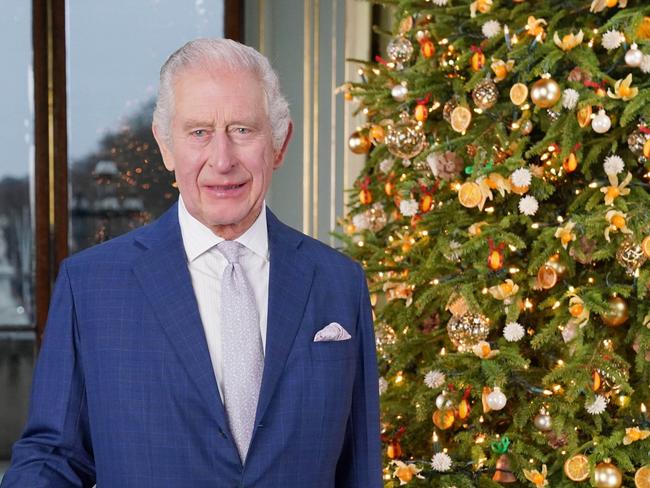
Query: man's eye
point(241, 130)
point(199, 132)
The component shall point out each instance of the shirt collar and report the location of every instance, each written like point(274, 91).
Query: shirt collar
point(198, 238)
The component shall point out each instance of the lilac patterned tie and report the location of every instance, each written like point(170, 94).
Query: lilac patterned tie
point(241, 345)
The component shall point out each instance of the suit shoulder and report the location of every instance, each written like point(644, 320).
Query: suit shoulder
point(114, 252)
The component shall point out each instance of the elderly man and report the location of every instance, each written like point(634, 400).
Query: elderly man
point(216, 347)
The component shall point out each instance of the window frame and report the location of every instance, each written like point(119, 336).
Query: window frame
point(50, 205)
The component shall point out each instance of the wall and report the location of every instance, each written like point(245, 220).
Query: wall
point(308, 42)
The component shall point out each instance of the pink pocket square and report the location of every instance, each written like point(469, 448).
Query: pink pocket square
point(332, 332)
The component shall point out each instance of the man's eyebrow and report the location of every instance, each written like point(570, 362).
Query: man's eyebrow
point(192, 123)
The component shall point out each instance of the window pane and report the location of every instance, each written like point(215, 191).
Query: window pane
point(16, 241)
point(115, 50)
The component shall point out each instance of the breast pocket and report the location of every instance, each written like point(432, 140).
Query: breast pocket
point(333, 350)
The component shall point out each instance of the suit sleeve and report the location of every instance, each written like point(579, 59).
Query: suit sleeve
point(359, 465)
point(55, 448)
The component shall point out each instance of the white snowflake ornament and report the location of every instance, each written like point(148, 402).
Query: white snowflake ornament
point(491, 28)
point(408, 208)
point(598, 406)
point(613, 164)
point(440, 3)
point(434, 379)
point(612, 39)
point(528, 205)
point(513, 332)
point(521, 177)
point(386, 165)
point(361, 221)
point(441, 461)
point(570, 98)
point(383, 385)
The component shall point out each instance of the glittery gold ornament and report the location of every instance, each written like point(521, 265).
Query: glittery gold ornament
point(485, 94)
point(635, 141)
point(405, 139)
point(576, 468)
point(448, 108)
point(617, 313)
point(359, 143)
point(376, 217)
point(545, 92)
point(630, 255)
point(400, 50)
point(467, 330)
point(607, 475)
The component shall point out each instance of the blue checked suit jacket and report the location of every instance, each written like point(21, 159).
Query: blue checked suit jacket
point(124, 393)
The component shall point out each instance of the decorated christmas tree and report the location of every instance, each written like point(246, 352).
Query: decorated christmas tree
point(503, 219)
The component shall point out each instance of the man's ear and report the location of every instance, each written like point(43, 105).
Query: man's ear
point(165, 151)
point(279, 156)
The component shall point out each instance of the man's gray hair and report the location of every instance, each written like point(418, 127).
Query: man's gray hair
point(229, 55)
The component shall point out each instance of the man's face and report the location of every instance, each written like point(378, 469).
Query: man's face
point(221, 147)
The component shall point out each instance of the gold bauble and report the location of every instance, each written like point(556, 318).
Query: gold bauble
point(545, 93)
point(406, 139)
point(526, 127)
point(631, 256)
point(617, 314)
point(359, 143)
point(576, 468)
point(467, 330)
point(485, 94)
point(607, 475)
point(642, 477)
point(543, 421)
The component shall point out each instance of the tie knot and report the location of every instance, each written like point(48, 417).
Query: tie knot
point(231, 250)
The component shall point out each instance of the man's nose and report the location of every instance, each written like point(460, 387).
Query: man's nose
point(222, 156)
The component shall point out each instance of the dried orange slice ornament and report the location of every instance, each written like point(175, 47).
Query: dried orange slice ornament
point(576, 467)
point(518, 93)
point(470, 194)
point(460, 118)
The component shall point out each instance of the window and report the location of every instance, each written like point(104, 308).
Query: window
point(78, 164)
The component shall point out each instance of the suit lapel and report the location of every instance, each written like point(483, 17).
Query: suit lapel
point(165, 280)
point(290, 278)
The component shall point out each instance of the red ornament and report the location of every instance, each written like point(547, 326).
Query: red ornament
point(496, 258)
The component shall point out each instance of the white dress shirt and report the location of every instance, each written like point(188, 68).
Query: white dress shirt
point(206, 265)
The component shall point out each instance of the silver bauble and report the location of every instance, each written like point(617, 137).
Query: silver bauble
point(543, 422)
point(634, 56)
point(635, 141)
point(601, 123)
point(399, 92)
